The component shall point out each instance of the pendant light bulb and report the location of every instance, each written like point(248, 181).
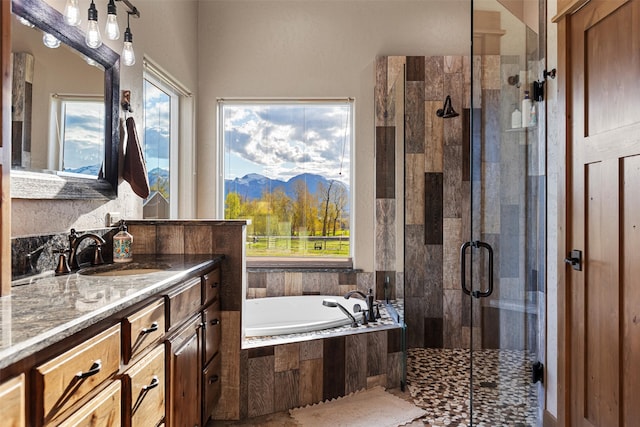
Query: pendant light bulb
point(50, 41)
point(72, 13)
point(112, 30)
point(128, 55)
point(93, 38)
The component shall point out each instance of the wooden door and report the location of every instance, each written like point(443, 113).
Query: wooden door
point(184, 371)
point(603, 41)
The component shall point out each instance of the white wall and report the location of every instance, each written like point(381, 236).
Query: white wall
point(266, 48)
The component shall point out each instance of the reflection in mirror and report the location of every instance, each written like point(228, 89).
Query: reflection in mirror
point(65, 96)
point(66, 114)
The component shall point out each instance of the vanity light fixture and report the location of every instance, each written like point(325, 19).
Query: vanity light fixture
point(112, 30)
point(50, 41)
point(93, 38)
point(72, 13)
point(128, 55)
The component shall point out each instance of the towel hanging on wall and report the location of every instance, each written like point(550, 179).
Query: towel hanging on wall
point(134, 170)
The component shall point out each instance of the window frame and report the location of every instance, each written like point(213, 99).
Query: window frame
point(174, 139)
point(57, 131)
point(292, 261)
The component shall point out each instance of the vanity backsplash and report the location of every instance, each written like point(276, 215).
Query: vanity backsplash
point(33, 255)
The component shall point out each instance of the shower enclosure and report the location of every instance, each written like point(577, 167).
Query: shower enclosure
point(469, 167)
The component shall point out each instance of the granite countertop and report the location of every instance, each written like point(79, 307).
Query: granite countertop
point(45, 309)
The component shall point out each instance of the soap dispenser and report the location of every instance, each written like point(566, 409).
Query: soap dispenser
point(122, 245)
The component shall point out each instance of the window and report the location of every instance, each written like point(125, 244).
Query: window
point(160, 147)
point(80, 122)
point(287, 168)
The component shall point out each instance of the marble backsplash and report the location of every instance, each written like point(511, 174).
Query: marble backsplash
point(31, 255)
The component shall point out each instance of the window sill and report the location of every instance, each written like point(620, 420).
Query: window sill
point(299, 264)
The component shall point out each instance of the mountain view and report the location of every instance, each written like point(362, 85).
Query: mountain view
point(253, 185)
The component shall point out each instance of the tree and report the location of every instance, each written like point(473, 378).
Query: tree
point(340, 200)
point(325, 194)
point(232, 206)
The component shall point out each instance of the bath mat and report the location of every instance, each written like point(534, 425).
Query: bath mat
point(373, 407)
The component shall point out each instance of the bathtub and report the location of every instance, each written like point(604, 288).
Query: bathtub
point(290, 315)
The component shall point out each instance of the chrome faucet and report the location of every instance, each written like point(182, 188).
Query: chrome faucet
point(74, 244)
point(371, 314)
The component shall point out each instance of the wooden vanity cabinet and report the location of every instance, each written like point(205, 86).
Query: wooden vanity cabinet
point(192, 347)
point(12, 402)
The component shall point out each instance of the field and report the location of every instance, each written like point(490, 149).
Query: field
point(315, 246)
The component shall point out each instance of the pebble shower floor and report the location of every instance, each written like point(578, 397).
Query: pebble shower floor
point(438, 381)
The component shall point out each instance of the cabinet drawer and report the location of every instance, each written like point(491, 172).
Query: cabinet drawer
point(64, 380)
point(142, 329)
point(144, 390)
point(211, 285)
point(211, 385)
point(183, 302)
point(12, 402)
point(212, 330)
point(101, 411)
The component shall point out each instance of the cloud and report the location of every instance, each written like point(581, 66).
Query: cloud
point(283, 140)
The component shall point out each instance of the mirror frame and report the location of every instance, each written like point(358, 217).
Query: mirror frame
point(52, 186)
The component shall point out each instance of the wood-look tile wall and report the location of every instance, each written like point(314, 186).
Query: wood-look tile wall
point(286, 376)
point(209, 237)
point(438, 192)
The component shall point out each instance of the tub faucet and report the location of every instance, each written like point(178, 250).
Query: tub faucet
point(371, 314)
point(333, 303)
point(74, 244)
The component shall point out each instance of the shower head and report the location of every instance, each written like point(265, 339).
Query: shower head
point(447, 111)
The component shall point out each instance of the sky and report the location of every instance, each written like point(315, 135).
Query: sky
point(83, 134)
point(157, 127)
point(282, 140)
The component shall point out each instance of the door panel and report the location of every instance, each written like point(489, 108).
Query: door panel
point(604, 44)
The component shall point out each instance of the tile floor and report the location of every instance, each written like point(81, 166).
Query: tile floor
point(438, 381)
point(503, 392)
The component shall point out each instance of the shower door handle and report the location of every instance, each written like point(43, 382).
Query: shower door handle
point(463, 269)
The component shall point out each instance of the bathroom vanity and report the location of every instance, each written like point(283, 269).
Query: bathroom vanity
point(135, 345)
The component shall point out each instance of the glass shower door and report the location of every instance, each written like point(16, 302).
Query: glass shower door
point(502, 263)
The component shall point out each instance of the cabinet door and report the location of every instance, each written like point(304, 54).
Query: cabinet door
point(12, 402)
point(101, 411)
point(144, 390)
point(212, 331)
point(184, 361)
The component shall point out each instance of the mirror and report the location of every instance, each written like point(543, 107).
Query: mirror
point(40, 170)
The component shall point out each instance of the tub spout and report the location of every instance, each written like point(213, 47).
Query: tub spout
point(370, 314)
point(333, 303)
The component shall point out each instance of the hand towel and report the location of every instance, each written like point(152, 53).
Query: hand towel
point(134, 169)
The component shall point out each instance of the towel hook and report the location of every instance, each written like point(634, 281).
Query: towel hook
point(126, 101)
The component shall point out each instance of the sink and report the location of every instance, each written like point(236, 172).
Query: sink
point(116, 270)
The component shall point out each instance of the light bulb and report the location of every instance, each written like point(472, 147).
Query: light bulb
point(72, 13)
point(112, 30)
point(128, 55)
point(50, 41)
point(92, 37)
point(25, 22)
